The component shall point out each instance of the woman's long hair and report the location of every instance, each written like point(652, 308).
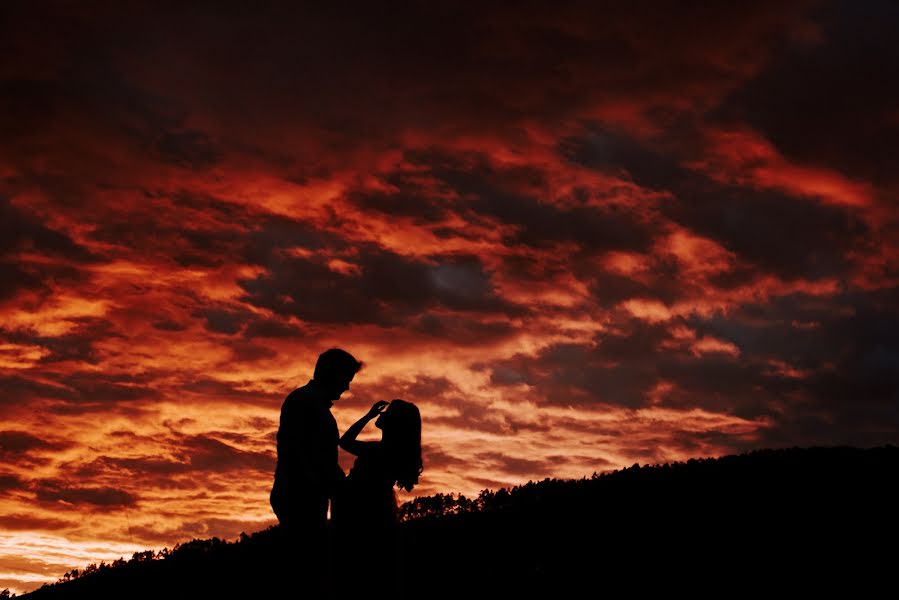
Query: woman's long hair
point(401, 426)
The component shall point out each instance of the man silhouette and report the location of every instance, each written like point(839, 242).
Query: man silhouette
point(307, 474)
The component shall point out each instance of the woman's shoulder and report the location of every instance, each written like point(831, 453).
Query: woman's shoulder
point(368, 449)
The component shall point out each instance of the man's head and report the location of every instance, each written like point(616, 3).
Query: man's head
point(334, 371)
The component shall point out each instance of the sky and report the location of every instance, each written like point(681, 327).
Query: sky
point(578, 235)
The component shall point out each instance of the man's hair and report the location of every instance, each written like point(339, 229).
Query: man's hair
point(335, 363)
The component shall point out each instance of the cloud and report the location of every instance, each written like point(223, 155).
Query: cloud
point(189, 149)
point(219, 320)
point(211, 455)
point(199, 454)
point(14, 445)
point(22, 237)
point(388, 289)
point(272, 328)
point(228, 529)
point(196, 230)
point(30, 522)
point(825, 96)
point(13, 278)
point(802, 236)
point(624, 368)
point(10, 482)
point(51, 491)
point(166, 325)
point(139, 466)
point(493, 191)
point(239, 392)
point(810, 381)
point(20, 231)
point(493, 462)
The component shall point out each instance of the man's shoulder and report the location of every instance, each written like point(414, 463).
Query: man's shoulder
point(300, 392)
point(303, 399)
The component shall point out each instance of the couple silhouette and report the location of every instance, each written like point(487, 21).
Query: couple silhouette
point(361, 535)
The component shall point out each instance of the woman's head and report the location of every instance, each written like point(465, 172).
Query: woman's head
point(401, 424)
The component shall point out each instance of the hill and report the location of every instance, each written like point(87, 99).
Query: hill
point(770, 521)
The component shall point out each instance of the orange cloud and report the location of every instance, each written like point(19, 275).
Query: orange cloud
point(746, 158)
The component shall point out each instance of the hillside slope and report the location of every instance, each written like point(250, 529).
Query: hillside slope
point(771, 520)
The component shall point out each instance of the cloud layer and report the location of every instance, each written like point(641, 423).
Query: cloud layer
point(578, 236)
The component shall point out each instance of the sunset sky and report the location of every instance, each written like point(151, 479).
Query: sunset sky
point(577, 235)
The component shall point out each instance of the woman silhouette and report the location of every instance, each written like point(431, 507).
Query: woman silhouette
point(365, 513)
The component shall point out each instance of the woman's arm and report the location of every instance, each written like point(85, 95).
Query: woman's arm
point(348, 442)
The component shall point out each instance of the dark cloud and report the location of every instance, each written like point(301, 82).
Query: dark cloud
point(247, 351)
point(847, 350)
point(52, 490)
point(495, 461)
point(725, 384)
point(31, 522)
point(208, 454)
point(790, 236)
point(143, 467)
point(496, 192)
point(14, 278)
point(26, 104)
point(78, 345)
point(17, 443)
point(622, 367)
point(478, 68)
point(410, 197)
point(663, 282)
point(388, 290)
point(189, 457)
point(10, 483)
point(831, 102)
point(785, 235)
point(436, 458)
point(821, 370)
point(227, 391)
point(186, 229)
point(617, 369)
point(266, 243)
point(189, 149)
point(273, 328)
point(615, 152)
point(79, 392)
point(223, 320)
point(21, 232)
point(93, 388)
point(169, 325)
point(18, 390)
point(228, 529)
point(697, 443)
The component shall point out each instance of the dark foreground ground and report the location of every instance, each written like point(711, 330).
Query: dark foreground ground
point(798, 521)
